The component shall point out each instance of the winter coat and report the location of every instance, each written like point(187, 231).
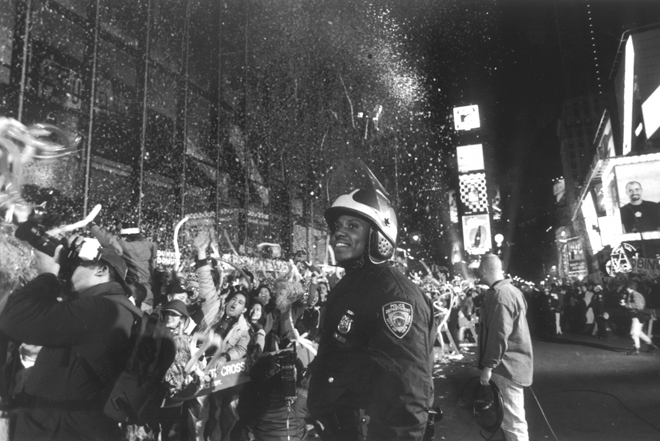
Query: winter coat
point(237, 339)
point(84, 350)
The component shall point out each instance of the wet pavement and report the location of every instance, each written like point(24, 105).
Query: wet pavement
point(587, 388)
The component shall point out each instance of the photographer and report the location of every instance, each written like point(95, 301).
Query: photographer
point(84, 339)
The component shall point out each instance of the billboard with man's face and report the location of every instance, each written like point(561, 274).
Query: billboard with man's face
point(638, 192)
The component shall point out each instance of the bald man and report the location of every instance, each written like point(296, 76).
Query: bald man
point(639, 215)
point(505, 346)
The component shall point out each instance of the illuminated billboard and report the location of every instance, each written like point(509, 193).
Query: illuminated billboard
point(474, 195)
point(466, 118)
point(651, 112)
point(476, 234)
point(453, 206)
point(638, 190)
point(559, 189)
point(591, 223)
point(628, 95)
point(470, 158)
point(577, 266)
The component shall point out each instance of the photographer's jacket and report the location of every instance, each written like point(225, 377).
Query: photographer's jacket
point(84, 348)
point(376, 353)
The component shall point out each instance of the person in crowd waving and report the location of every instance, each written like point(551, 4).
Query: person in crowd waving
point(214, 415)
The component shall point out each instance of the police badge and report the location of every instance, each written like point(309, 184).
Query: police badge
point(346, 322)
point(398, 318)
point(344, 326)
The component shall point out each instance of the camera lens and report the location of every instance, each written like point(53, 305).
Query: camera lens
point(35, 235)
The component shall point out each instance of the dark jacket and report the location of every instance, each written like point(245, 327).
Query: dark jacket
point(376, 353)
point(84, 350)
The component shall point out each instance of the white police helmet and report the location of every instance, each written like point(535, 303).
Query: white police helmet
point(373, 206)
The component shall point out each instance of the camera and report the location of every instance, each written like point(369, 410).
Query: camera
point(288, 364)
point(81, 249)
point(35, 234)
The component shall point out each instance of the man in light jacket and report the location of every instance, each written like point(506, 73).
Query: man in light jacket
point(505, 346)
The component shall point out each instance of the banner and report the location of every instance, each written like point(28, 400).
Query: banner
point(642, 265)
point(223, 376)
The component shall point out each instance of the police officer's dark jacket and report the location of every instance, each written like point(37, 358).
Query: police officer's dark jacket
point(376, 353)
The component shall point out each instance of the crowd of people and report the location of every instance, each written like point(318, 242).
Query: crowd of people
point(595, 309)
point(66, 343)
point(215, 315)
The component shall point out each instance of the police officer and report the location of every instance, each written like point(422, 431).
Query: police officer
point(372, 377)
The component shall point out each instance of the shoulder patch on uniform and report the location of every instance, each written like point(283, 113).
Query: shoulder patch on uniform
point(398, 317)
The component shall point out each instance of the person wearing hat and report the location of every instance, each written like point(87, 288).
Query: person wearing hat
point(84, 339)
point(175, 316)
point(138, 252)
point(168, 421)
point(372, 376)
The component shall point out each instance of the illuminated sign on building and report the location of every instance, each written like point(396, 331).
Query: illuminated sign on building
point(470, 158)
point(466, 118)
point(453, 206)
point(577, 267)
point(591, 223)
point(638, 194)
point(558, 189)
point(651, 112)
point(628, 96)
point(474, 195)
point(476, 234)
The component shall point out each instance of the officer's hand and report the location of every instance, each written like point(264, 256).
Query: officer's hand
point(46, 264)
point(484, 379)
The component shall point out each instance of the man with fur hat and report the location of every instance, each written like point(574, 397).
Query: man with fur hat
point(372, 377)
point(84, 341)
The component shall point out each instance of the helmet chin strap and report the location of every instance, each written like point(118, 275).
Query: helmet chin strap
point(374, 261)
point(355, 263)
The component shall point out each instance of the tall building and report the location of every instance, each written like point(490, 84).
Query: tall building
point(618, 202)
point(576, 129)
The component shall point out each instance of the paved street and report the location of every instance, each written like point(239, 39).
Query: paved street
point(588, 389)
